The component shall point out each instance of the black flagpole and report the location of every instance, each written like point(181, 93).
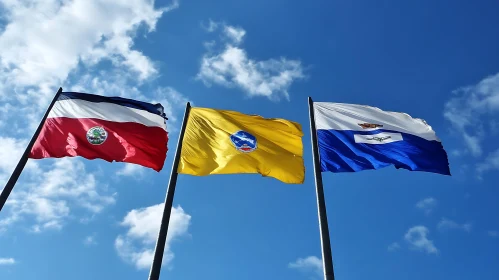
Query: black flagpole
point(165, 220)
point(24, 158)
point(327, 259)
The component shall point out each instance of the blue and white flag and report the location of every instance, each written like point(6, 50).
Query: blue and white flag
point(355, 137)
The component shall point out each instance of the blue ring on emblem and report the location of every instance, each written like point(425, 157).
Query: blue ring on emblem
point(244, 141)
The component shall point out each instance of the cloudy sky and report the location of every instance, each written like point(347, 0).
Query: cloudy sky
point(76, 219)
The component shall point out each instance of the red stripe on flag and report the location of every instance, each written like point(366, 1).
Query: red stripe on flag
point(126, 142)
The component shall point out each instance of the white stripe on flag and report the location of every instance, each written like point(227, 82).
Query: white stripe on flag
point(82, 109)
point(339, 116)
point(379, 138)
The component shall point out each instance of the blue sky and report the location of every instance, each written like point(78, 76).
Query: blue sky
point(435, 60)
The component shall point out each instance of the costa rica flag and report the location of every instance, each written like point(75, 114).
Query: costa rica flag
point(108, 128)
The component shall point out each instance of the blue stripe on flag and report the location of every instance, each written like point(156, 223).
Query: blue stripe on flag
point(149, 107)
point(340, 153)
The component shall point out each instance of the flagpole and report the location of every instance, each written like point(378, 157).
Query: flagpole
point(327, 259)
point(165, 220)
point(24, 158)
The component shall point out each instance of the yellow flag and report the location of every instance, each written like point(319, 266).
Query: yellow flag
point(228, 142)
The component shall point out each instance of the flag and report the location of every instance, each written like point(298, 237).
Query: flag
point(355, 137)
point(109, 128)
point(228, 142)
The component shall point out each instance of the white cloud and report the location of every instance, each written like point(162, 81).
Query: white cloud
point(87, 219)
point(211, 27)
point(136, 246)
point(470, 112)
point(11, 151)
point(446, 224)
point(417, 237)
point(235, 34)
point(7, 261)
point(231, 67)
point(34, 52)
point(54, 224)
point(114, 82)
point(493, 233)
point(491, 162)
point(90, 240)
point(427, 205)
point(309, 264)
point(473, 143)
point(131, 170)
point(393, 247)
point(49, 196)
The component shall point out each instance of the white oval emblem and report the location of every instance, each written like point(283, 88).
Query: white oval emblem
point(244, 141)
point(96, 135)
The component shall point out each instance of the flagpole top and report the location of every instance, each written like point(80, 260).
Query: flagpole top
point(310, 101)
